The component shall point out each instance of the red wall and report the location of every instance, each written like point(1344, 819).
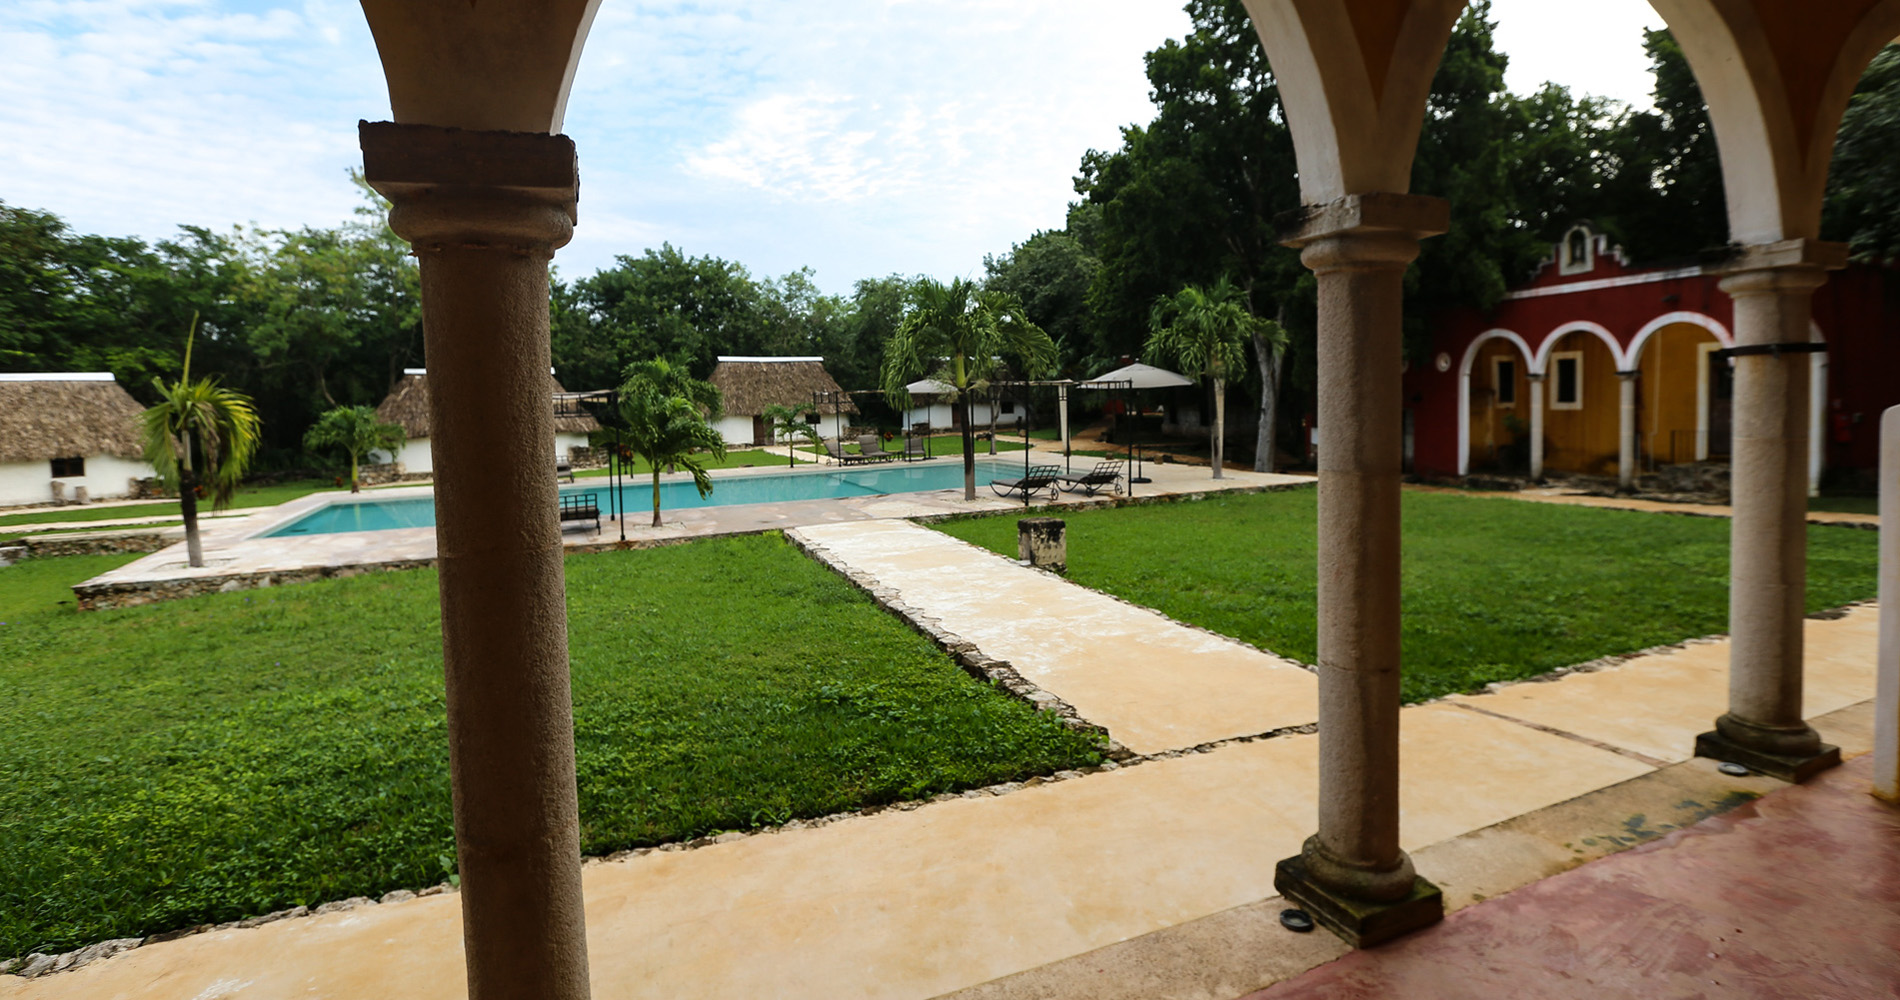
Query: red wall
point(1858, 311)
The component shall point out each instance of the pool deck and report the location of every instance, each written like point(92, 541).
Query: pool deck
point(239, 556)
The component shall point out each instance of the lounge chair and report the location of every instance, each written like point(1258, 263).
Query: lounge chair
point(1040, 477)
point(1106, 475)
point(563, 470)
point(835, 448)
point(872, 448)
point(580, 507)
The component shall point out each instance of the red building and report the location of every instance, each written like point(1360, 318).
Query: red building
point(1614, 369)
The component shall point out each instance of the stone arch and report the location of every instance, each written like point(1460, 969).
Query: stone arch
point(1706, 322)
point(1464, 385)
point(1541, 359)
point(1665, 408)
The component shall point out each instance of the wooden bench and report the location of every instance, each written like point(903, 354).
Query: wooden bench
point(580, 507)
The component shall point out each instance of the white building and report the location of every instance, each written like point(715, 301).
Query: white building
point(408, 406)
point(748, 385)
point(932, 403)
point(62, 432)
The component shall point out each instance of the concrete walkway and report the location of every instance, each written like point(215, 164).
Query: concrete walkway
point(1153, 683)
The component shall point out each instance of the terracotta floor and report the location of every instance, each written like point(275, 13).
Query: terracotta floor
point(1796, 896)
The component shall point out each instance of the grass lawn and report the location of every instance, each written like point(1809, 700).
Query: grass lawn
point(247, 496)
point(733, 460)
point(941, 444)
point(1493, 590)
point(13, 536)
point(1846, 504)
point(201, 760)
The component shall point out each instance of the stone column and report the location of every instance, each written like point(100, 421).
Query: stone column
point(1887, 668)
point(1772, 287)
point(1352, 875)
point(1626, 430)
point(485, 212)
point(1537, 427)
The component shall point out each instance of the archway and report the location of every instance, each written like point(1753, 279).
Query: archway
point(1685, 388)
point(1495, 403)
point(1581, 363)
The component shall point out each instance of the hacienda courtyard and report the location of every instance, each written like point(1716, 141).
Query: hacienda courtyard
point(1179, 778)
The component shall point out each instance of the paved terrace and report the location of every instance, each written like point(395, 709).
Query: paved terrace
point(1150, 879)
point(238, 555)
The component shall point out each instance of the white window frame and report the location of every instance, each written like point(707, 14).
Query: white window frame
point(1498, 382)
point(1556, 361)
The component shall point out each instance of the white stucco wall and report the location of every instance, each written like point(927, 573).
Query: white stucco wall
point(564, 441)
point(737, 431)
point(938, 416)
point(32, 482)
point(415, 456)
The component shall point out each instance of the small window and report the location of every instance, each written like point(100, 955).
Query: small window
point(1009, 406)
point(1567, 376)
point(1578, 247)
point(1504, 381)
point(68, 468)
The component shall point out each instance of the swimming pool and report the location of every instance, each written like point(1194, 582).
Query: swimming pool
point(637, 494)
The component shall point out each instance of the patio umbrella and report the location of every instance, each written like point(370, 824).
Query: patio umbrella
point(1140, 376)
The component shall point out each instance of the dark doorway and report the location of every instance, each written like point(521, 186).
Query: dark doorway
point(1721, 404)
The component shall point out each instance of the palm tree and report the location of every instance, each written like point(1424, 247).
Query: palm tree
point(788, 423)
point(199, 436)
point(356, 430)
point(1205, 332)
point(665, 410)
point(958, 334)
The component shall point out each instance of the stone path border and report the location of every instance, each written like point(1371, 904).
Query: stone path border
point(1571, 498)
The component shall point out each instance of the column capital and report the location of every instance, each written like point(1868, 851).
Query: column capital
point(1784, 255)
point(463, 189)
point(1376, 229)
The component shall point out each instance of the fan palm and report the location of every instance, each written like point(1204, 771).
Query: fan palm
point(199, 436)
point(959, 334)
point(1204, 332)
point(355, 430)
point(664, 413)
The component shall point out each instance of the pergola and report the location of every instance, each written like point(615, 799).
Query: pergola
point(485, 188)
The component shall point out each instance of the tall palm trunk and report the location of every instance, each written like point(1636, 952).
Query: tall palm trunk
point(1220, 422)
point(656, 494)
point(969, 447)
point(188, 506)
point(1269, 358)
point(355, 486)
point(992, 421)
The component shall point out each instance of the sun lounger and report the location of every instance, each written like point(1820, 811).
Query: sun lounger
point(872, 448)
point(1106, 475)
point(835, 448)
point(1040, 477)
point(580, 507)
point(563, 470)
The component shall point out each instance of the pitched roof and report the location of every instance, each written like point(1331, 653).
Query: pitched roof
point(747, 385)
point(408, 404)
point(66, 415)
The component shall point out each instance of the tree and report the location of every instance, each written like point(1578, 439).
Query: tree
point(199, 435)
point(664, 412)
point(356, 431)
point(1051, 273)
point(958, 335)
point(1863, 206)
point(787, 424)
point(1205, 331)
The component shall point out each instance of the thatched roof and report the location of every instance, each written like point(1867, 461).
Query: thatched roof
point(408, 404)
point(748, 385)
point(66, 415)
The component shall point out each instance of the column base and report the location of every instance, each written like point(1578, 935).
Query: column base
point(1794, 768)
point(1359, 923)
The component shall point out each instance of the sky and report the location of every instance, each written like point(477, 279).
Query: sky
point(857, 137)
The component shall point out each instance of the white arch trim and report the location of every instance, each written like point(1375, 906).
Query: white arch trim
point(1542, 358)
point(1649, 329)
point(1464, 386)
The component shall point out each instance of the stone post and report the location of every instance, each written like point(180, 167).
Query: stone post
point(1772, 286)
point(1626, 431)
point(1043, 542)
point(1887, 686)
point(1537, 427)
point(1352, 876)
point(484, 212)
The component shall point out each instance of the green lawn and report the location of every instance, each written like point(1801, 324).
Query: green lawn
point(235, 754)
point(14, 536)
point(733, 460)
point(247, 496)
point(1846, 504)
point(1493, 589)
point(942, 444)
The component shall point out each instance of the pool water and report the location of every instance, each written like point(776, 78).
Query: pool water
point(637, 494)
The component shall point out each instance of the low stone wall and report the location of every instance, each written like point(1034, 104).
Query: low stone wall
point(94, 543)
point(104, 596)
